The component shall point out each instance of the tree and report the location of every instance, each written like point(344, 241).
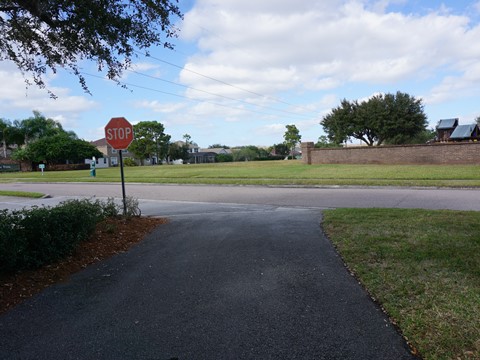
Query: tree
point(9, 135)
point(423, 137)
point(38, 126)
point(177, 152)
point(38, 35)
point(58, 149)
point(23, 133)
point(4, 124)
point(280, 149)
point(245, 153)
point(324, 142)
point(149, 140)
point(393, 118)
point(218, 146)
point(187, 139)
point(292, 138)
point(477, 120)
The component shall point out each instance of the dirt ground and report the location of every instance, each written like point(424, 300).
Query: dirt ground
point(110, 237)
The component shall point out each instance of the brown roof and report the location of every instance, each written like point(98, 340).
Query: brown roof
point(99, 142)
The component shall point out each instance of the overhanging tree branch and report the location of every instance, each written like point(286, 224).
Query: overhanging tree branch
point(40, 35)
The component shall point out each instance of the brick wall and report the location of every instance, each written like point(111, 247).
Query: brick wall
point(441, 153)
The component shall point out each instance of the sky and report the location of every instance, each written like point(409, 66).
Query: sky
point(242, 70)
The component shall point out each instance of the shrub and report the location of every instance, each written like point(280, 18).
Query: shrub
point(109, 208)
point(30, 238)
point(224, 158)
point(11, 245)
point(129, 162)
point(131, 207)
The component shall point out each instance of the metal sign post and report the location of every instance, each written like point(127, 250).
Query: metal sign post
point(119, 135)
point(123, 184)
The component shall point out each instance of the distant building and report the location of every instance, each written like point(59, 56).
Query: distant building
point(217, 150)
point(465, 132)
point(445, 128)
point(202, 157)
point(192, 147)
point(110, 155)
point(449, 130)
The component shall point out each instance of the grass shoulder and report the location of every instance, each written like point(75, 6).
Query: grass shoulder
point(272, 173)
point(27, 194)
point(423, 267)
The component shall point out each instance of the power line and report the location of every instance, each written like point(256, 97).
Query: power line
point(126, 84)
point(223, 82)
point(205, 76)
point(218, 95)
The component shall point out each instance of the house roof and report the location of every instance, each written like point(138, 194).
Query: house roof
point(191, 145)
point(463, 131)
point(99, 142)
point(217, 150)
point(203, 153)
point(447, 123)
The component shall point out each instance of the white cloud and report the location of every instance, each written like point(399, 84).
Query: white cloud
point(455, 87)
point(144, 66)
point(159, 107)
point(15, 96)
point(381, 6)
point(276, 46)
point(271, 129)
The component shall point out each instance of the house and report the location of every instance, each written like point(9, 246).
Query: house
point(445, 128)
point(197, 155)
point(192, 147)
point(217, 150)
point(465, 132)
point(202, 157)
point(110, 155)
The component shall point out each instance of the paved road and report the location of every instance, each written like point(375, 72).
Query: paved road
point(320, 198)
point(255, 282)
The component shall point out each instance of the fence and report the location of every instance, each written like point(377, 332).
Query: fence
point(439, 153)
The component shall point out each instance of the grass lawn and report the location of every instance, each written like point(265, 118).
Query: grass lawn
point(423, 267)
point(27, 194)
point(272, 173)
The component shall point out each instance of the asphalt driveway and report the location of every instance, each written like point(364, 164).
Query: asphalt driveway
point(254, 282)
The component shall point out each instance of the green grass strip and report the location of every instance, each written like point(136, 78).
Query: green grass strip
point(26, 194)
point(423, 267)
point(272, 173)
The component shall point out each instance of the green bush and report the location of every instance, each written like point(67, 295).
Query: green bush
point(30, 238)
point(129, 162)
point(224, 158)
point(109, 208)
point(11, 246)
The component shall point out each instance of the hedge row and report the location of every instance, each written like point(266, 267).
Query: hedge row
point(30, 238)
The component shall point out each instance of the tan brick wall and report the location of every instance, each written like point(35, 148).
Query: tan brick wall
point(442, 153)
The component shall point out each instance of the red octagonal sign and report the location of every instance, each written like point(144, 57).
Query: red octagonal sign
point(119, 133)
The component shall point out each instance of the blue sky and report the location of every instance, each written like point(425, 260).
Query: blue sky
point(243, 69)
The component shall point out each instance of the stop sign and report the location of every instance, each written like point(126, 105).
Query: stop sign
point(119, 133)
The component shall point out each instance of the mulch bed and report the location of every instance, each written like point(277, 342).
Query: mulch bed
point(111, 237)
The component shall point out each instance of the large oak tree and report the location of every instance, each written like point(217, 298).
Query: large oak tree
point(38, 35)
point(393, 118)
